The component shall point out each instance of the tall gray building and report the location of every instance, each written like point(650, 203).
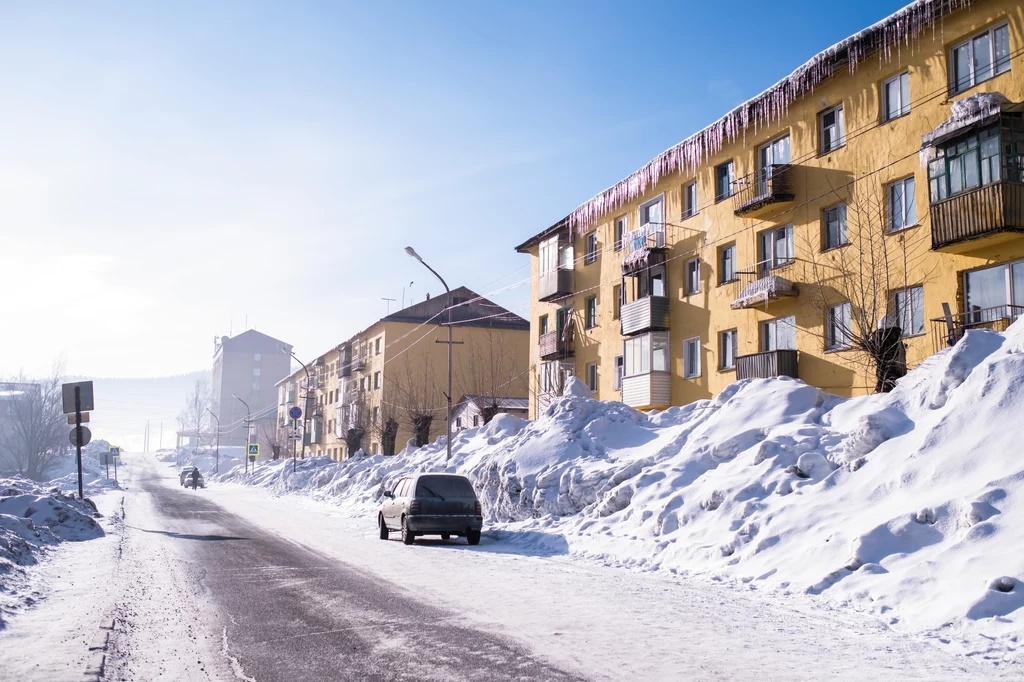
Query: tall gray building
point(248, 366)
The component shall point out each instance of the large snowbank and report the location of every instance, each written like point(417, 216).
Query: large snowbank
point(33, 519)
point(908, 504)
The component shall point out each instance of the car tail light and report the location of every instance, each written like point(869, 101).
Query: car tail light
point(479, 509)
point(414, 507)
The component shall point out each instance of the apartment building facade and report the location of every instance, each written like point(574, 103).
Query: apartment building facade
point(248, 366)
point(878, 187)
point(385, 385)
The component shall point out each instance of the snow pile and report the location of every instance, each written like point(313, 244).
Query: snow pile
point(33, 519)
point(908, 504)
point(63, 474)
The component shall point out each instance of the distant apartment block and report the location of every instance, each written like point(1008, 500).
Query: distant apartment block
point(249, 366)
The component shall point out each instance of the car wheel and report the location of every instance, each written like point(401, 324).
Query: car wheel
point(446, 536)
point(473, 537)
point(408, 537)
point(383, 527)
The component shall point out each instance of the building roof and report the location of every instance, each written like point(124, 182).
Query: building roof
point(537, 238)
point(469, 309)
point(899, 31)
point(503, 403)
point(251, 341)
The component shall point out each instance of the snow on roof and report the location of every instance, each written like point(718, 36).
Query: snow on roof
point(503, 403)
point(898, 29)
point(978, 109)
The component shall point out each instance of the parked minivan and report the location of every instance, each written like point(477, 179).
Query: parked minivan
point(431, 504)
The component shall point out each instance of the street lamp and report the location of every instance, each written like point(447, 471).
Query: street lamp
point(412, 252)
point(248, 431)
point(216, 468)
point(305, 412)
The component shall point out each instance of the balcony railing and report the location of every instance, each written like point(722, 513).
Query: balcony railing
point(769, 185)
point(766, 365)
point(644, 314)
point(997, 318)
point(759, 285)
point(979, 212)
point(358, 364)
point(555, 284)
point(556, 345)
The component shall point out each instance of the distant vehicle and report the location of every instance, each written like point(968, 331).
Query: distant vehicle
point(185, 477)
point(431, 504)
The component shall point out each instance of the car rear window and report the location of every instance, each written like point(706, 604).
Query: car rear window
point(444, 486)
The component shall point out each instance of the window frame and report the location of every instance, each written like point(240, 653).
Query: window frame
point(590, 312)
point(645, 207)
point(543, 325)
point(592, 377)
point(644, 353)
point(843, 227)
point(890, 187)
point(763, 259)
point(691, 351)
point(691, 205)
point(733, 335)
point(620, 227)
point(691, 281)
point(896, 310)
point(730, 177)
point(590, 247)
point(619, 367)
point(838, 126)
point(774, 324)
point(905, 106)
point(845, 339)
point(722, 250)
point(955, 88)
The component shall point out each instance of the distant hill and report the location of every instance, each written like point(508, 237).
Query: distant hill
point(123, 406)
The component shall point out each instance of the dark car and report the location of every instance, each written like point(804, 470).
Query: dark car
point(431, 504)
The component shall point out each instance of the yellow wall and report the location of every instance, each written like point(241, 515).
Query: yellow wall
point(875, 154)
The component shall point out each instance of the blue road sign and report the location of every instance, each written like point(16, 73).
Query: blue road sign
point(115, 451)
point(254, 449)
point(295, 412)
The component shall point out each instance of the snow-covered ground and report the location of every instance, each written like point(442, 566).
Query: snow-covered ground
point(908, 506)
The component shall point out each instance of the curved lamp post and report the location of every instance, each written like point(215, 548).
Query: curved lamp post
point(305, 411)
point(248, 431)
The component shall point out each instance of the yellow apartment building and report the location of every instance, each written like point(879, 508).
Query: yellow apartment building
point(386, 385)
point(876, 193)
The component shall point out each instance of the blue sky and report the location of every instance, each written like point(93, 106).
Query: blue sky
point(167, 171)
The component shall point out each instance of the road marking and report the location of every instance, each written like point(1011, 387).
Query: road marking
point(236, 667)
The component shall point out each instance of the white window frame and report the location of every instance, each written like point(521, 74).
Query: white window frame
point(690, 204)
point(721, 194)
point(770, 261)
point(617, 375)
point(641, 357)
point(621, 228)
point(902, 81)
point(909, 310)
point(770, 333)
point(691, 358)
point(838, 329)
point(839, 212)
point(907, 210)
point(644, 213)
point(723, 269)
point(692, 270)
point(588, 322)
point(727, 350)
point(955, 87)
point(837, 130)
point(590, 248)
point(592, 377)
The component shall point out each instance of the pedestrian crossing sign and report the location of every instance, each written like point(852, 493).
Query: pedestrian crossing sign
point(254, 449)
point(115, 451)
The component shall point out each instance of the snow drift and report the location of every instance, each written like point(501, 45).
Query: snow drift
point(908, 504)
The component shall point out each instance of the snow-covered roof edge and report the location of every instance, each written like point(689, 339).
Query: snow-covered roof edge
point(772, 105)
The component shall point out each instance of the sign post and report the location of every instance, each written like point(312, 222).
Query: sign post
point(77, 398)
point(113, 454)
point(254, 452)
point(295, 413)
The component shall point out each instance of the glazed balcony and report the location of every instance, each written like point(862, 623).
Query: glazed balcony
point(973, 219)
point(556, 345)
point(649, 313)
point(755, 193)
point(767, 365)
point(651, 390)
point(555, 284)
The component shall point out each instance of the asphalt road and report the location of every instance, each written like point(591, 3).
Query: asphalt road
point(266, 608)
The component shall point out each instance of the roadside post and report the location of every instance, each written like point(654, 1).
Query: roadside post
point(295, 413)
point(254, 452)
point(77, 397)
point(113, 454)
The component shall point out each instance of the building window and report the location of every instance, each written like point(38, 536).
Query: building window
point(376, 380)
point(543, 325)
point(362, 383)
point(835, 226)
point(770, 155)
point(476, 420)
point(591, 252)
point(255, 386)
point(373, 448)
point(975, 160)
point(690, 199)
point(458, 422)
point(644, 354)
point(980, 58)
point(592, 377)
point(896, 97)
point(724, 179)
point(617, 377)
point(988, 292)
point(691, 358)
point(255, 371)
point(652, 213)
point(377, 346)
point(727, 264)
point(591, 316)
point(621, 228)
point(838, 331)
point(727, 349)
point(779, 334)
point(692, 276)
point(833, 130)
point(616, 301)
point(902, 206)
point(908, 309)
point(376, 414)
point(775, 249)
point(257, 357)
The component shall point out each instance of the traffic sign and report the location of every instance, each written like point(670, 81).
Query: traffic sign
point(294, 436)
point(254, 449)
point(85, 437)
point(115, 451)
point(71, 418)
point(85, 400)
point(295, 412)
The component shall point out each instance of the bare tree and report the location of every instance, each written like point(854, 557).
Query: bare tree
point(492, 371)
point(33, 427)
point(355, 419)
point(417, 393)
point(385, 413)
point(271, 437)
point(194, 419)
point(852, 286)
